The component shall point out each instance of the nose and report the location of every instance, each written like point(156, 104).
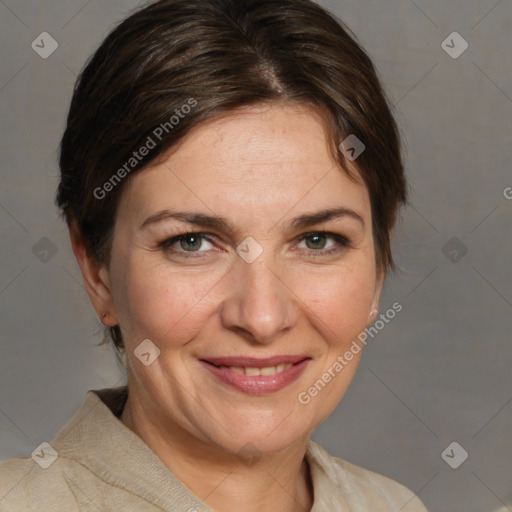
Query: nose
point(259, 305)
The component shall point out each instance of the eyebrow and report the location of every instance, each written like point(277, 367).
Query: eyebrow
point(310, 219)
point(222, 224)
point(198, 219)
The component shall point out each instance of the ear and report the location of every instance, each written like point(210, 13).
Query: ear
point(376, 297)
point(96, 278)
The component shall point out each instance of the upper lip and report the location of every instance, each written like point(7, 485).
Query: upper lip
point(255, 362)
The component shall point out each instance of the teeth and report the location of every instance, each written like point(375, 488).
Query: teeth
point(268, 370)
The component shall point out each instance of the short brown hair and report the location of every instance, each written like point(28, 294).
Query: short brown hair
point(223, 55)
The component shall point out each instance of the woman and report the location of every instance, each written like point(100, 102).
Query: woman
point(230, 176)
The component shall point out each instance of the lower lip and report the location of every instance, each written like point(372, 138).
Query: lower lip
point(257, 384)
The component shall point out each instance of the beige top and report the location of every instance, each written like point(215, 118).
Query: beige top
point(99, 464)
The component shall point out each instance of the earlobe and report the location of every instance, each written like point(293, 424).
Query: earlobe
point(96, 278)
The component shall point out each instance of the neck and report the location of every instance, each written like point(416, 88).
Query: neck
point(277, 481)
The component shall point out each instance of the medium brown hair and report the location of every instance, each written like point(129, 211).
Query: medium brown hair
point(221, 55)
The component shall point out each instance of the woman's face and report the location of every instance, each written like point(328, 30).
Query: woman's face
point(279, 270)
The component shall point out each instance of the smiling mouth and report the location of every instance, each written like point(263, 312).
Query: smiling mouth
point(254, 375)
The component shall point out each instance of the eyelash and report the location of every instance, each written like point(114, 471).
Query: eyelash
point(341, 241)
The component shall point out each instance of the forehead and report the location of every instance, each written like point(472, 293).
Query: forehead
point(259, 159)
point(268, 134)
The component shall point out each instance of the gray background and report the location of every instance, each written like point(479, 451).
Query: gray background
point(439, 372)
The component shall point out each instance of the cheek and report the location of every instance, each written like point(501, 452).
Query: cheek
point(341, 304)
point(153, 301)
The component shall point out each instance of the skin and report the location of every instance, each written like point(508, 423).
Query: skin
point(259, 168)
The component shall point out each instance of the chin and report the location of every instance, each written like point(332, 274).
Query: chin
point(262, 437)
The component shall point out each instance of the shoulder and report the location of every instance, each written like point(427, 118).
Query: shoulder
point(26, 486)
point(362, 489)
point(56, 476)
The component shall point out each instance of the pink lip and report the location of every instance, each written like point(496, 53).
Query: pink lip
point(255, 362)
point(256, 384)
